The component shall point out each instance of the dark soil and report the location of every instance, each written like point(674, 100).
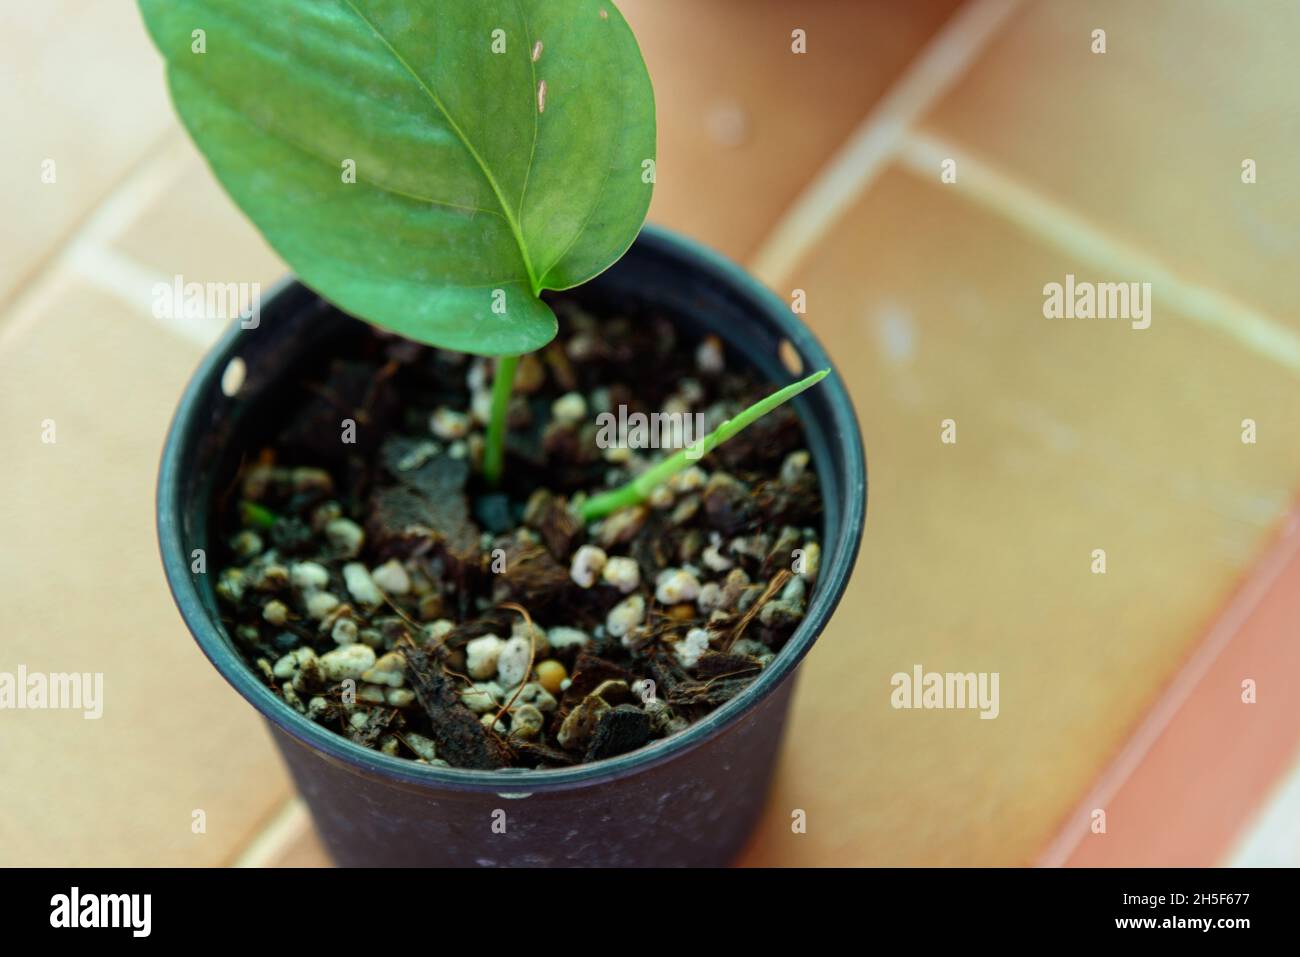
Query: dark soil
point(369, 567)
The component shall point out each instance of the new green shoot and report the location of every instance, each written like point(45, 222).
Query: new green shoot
point(639, 489)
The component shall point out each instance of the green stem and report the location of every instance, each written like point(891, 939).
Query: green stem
point(494, 451)
point(639, 488)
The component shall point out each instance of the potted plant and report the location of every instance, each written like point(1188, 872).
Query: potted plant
point(540, 610)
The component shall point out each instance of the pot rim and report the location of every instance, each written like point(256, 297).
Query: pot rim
point(833, 576)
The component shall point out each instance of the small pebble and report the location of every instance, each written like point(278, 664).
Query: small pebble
point(306, 479)
point(288, 666)
point(710, 598)
point(623, 525)
point(794, 591)
point(689, 480)
point(319, 604)
point(661, 498)
point(481, 656)
point(277, 612)
point(391, 577)
point(422, 746)
point(623, 573)
point(714, 560)
point(350, 661)
point(308, 575)
point(230, 585)
point(780, 614)
point(691, 647)
point(676, 585)
point(580, 725)
point(551, 675)
point(448, 424)
point(525, 722)
point(400, 697)
point(361, 586)
point(534, 694)
point(346, 537)
point(344, 632)
point(389, 670)
point(564, 639)
point(269, 577)
point(481, 696)
point(323, 514)
point(586, 565)
point(794, 467)
point(534, 633)
point(709, 357)
point(625, 616)
point(570, 408)
point(246, 544)
point(437, 630)
point(512, 663)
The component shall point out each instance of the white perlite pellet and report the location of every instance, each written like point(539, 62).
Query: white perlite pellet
point(319, 604)
point(570, 408)
point(391, 577)
point(691, 647)
point(448, 424)
point(308, 575)
point(361, 586)
point(676, 585)
point(481, 656)
point(512, 663)
point(350, 661)
point(562, 638)
point(623, 573)
point(588, 561)
point(345, 536)
point(625, 616)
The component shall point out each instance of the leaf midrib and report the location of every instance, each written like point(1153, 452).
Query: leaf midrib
point(510, 217)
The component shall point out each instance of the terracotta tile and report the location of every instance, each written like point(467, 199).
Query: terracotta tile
point(83, 88)
point(84, 591)
point(1072, 435)
point(744, 122)
point(1148, 138)
point(1203, 762)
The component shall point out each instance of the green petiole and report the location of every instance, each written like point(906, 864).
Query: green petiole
point(639, 488)
point(494, 449)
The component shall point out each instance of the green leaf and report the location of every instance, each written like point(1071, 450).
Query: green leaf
point(469, 194)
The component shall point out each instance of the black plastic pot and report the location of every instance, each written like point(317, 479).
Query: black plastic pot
point(691, 799)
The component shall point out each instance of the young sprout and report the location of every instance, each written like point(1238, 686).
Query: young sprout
point(639, 489)
point(256, 515)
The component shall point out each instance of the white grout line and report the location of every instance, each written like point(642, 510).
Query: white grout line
point(89, 254)
point(922, 153)
point(871, 147)
point(1117, 772)
point(1272, 839)
point(291, 823)
point(132, 283)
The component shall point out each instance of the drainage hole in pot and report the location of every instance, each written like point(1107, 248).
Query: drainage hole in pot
point(790, 357)
point(232, 380)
